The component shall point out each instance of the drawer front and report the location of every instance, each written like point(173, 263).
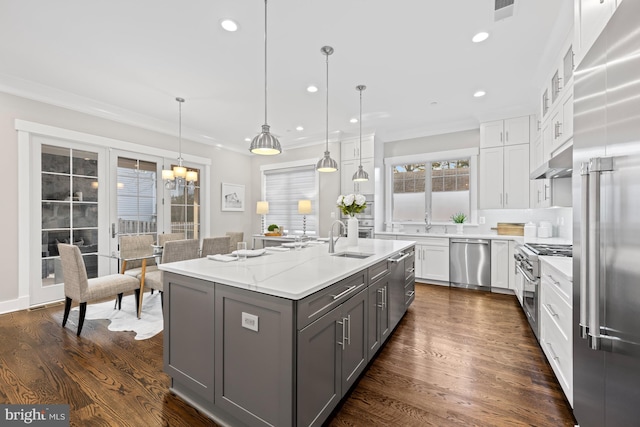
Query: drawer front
point(409, 292)
point(559, 353)
point(378, 271)
point(316, 305)
point(557, 307)
point(563, 286)
point(432, 241)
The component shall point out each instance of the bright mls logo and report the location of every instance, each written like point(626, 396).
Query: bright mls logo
point(38, 415)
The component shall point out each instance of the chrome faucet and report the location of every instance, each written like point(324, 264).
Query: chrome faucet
point(427, 222)
point(332, 243)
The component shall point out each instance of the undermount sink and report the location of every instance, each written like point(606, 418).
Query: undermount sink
point(358, 255)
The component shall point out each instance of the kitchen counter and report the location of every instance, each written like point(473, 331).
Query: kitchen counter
point(490, 236)
point(292, 274)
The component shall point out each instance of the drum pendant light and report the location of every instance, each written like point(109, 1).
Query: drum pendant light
point(361, 174)
point(327, 164)
point(265, 143)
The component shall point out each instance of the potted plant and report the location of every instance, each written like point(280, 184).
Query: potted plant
point(458, 219)
point(274, 230)
point(350, 205)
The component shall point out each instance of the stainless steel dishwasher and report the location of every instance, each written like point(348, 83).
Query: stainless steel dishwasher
point(470, 263)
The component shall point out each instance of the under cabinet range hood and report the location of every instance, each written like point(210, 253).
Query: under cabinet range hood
point(558, 166)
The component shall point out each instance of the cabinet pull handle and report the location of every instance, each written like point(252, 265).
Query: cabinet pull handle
point(411, 293)
point(343, 337)
point(381, 292)
point(551, 310)
point(346, 291)
point(348, 319)
point(507, 133)
point(500, 136)
point(539, 196)
point(545, 191)
point(554, 356)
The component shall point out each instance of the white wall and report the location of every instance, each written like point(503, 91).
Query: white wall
point(225, 167)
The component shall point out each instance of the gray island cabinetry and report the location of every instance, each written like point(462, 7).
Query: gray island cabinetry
point(279, 339)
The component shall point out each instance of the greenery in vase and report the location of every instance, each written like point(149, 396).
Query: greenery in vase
point(458, 218)
point(351, 204)
point(273, 228)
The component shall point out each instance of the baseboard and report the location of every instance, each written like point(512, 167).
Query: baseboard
point(18, 304)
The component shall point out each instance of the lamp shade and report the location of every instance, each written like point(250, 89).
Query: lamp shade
point(167, 174)
point(304, 207)
point(262, 208)
point(192, 176)
point(179, 171)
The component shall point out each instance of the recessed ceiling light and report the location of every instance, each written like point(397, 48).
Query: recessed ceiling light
point(229, 25)
point(312, 88)
point(353, 120)
point(299, 128)
point(247, 139)
point(480, 37)
point(479, 93)
point(433, 103)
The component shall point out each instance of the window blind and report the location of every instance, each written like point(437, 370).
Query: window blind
point(283, 189)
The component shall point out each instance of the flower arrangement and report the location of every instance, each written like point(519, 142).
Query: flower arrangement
point(352, 204)
point(458, 218)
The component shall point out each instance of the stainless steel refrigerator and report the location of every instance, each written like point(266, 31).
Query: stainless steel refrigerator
point(606, 206)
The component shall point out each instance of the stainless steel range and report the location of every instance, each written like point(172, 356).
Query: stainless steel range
point(528, 276)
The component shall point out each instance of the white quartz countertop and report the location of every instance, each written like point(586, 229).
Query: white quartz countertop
point(563, 264)
point(292, 274)
point(490, 236)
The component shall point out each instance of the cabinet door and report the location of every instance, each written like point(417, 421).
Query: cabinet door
point(512, 265)
point(319, 368)
point(516, 176)
point(354, 347)
point(566, 129)
point(491, 169)
point(516, 131)
point(547, 139)
point(348, 150)
point(378, 324)
point(500, 264)
point(419, 261)
point(436, 263)
point(347, 169)
point(537, 153)
point(492, 134)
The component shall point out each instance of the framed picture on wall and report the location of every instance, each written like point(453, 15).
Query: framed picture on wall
point(232, 197)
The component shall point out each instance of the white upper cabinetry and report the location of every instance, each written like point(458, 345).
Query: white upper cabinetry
point(349, 162)
point(556, 107)
point(590, 18)
point(504, 168)
point(504, 132)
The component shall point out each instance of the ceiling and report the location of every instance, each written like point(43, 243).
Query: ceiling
point(128, 60)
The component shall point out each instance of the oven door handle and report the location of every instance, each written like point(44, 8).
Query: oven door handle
point(526, 277)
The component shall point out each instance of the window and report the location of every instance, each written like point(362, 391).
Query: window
point(137, 207)
point(441, 187)
point(282, 189)
point(185, 208)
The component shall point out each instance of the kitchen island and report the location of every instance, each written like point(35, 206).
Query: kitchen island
point(280, 338)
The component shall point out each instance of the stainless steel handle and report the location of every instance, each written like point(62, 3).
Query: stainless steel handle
point(343, 293)
point(471, 242)
point(584, 250)
point(551, 310)
point(506, 198)
point(507, 133)
point(500, 136)
point(411, 270)
point(348, 320)
point(596, 167)
point(539, 199)
point(411, 293)
point(554, 356)
point(343, 334)
point(559, 84)
point(402, 258)
point(524, 275)
point(545, 191)
point(381, 305)
point(384, 297)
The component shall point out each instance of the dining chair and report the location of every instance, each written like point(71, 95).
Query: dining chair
point(235, 237)
point(78, 287)
point(137, 246)
point(215, 245)
point(163, 238)
point(173, 251)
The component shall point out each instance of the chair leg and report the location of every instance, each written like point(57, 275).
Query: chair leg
point(83, 311)
point(119, 300)
point(162, 300)
point(67, 308)
point(138, 302)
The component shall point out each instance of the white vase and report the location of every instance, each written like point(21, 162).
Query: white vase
point(352, 231)
point(459, 229)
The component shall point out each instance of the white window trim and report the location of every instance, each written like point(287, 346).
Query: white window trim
point(472, 153)
point(290, 165)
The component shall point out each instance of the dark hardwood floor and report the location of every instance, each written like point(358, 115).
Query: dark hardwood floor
point(458, 358)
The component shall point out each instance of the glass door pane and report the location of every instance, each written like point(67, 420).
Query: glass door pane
point(69, 203)
point(185, 207)
point(137, 196)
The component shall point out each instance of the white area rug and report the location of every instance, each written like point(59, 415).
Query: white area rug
point(150, 324)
